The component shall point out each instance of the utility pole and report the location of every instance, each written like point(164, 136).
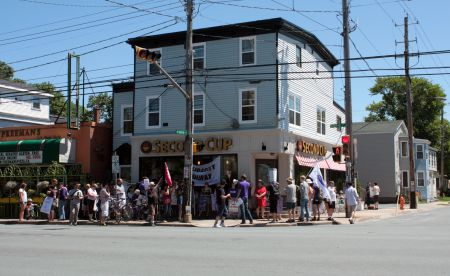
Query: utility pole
point(412, 194)
point(188, 154)
point(348, 91)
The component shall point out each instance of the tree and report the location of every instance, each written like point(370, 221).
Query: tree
point(102, 101)
point(58, 102)
point(392, 106)
point(6, 71)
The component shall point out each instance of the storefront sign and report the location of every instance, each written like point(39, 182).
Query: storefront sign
point(21, 157)
point(311, 148)
point(207, 173)
point(20, 132)
point(210, 144)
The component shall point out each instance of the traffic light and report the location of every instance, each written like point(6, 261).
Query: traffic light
point(345, 145)
point(337, 154)
point(145, 54)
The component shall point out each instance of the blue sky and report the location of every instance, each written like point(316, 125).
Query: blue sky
point(34, 29)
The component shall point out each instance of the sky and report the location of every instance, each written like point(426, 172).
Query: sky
point(37, 32)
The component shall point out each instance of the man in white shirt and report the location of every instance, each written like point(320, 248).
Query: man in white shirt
point(120, 192)
point(376, 195)
point(351, 199)
point(332, 203)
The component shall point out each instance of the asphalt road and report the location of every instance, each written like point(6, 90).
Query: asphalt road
point(417, 244)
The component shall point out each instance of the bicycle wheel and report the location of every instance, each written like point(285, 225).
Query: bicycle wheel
point(127, 213)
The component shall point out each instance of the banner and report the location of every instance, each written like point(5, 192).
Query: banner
point(21, 157)
point(206, 173)
point(167, 175)
point(316, 176)
point(47, 205)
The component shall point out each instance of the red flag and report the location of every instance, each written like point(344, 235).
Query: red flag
point(167, 175)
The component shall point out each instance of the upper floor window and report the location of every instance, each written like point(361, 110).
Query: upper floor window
point(420, 179)
point(248, 50)
point(36, 103)
point(317, 68)
point(419, 151)
point(294, 110)
point(247, 105)
point(404, 149)
point(199, 56)
point(153, 111)
point(405, 179)
point(338, 123)
point(127, 119)
point(199, 109)
point(321, 127)
point(151, 68)
point(298, 56)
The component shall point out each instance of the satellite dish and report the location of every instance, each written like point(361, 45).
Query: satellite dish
point(235, 124)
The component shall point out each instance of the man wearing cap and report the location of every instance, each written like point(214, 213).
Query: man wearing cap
point(243, 190)
point(304, 198)
point(291, 198)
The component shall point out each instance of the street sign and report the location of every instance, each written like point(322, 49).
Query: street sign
point(115, 164)
point(182, 132)
point(337, 125)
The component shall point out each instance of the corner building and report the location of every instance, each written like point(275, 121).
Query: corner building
point(263, 100)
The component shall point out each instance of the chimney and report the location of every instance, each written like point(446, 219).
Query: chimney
point(97, 113)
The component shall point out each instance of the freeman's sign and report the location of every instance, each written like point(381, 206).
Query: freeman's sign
point(209, 144)
point(21, 157)
point(20, 132)
point(311, 148)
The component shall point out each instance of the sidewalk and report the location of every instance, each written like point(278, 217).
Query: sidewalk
point(385, 211)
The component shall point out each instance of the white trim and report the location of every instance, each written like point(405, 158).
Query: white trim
point(240, 50)
point(204, 53)
point(407, 176)
point(149, 64)
point(406, 149)
point(25, 90)
point(255, 106)
point(417, 177)
point(146, 112)
point(204, 106)
point(122, 107)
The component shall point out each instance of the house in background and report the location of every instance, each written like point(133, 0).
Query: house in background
point(263, 102)
point(23, 105)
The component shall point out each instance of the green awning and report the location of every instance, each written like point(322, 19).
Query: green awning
point(50, 148)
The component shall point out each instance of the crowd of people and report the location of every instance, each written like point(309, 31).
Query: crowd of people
point(156, 200)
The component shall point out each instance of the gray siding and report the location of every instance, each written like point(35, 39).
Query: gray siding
point(120, 99)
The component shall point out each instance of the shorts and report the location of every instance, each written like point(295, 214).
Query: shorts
point(221, 211)
point(332, 205)
point(375, 199)
point(273, 206)
point(290, 205)
point(180, 200)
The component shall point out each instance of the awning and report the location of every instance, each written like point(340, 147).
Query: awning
point(327, 164)
point(33, 151)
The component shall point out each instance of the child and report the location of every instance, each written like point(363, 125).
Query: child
point(30, 209)
point(402, 202)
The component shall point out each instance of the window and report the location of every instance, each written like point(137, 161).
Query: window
point(36, 103)
point(298, 56)
point(420, 179)
point(321, 120)
point(405, 179)
point(317, 68)
point(248, 51)
point(199, 109)
point(151, 68)
point(247, 105)
point(199, 56)
point(404, 146)
point(419, 151)
point(127, 119)
point(338, 123)
point(153, 109)
point(294, 110)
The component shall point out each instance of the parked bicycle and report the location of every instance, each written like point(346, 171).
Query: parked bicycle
point(118, 212)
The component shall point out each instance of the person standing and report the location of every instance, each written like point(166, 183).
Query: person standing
point(291, 199)
point(180, 198)
point(261, 199)
point(166, 203)
point(62, 196)
point(376, 195)
point(243, 190)
point(316, 201)
point(367, 199)
point(274, 196)
point(153, 201)
point(23, 199)
point(221, 199)
point(119, 189)
point(75, 196)
point(52, 192)
point(352, 199)
point(332, 201)
point(304, 198)
point(92, 196)
point(104, 204)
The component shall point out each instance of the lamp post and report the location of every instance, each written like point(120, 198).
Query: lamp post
point(441, 179)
